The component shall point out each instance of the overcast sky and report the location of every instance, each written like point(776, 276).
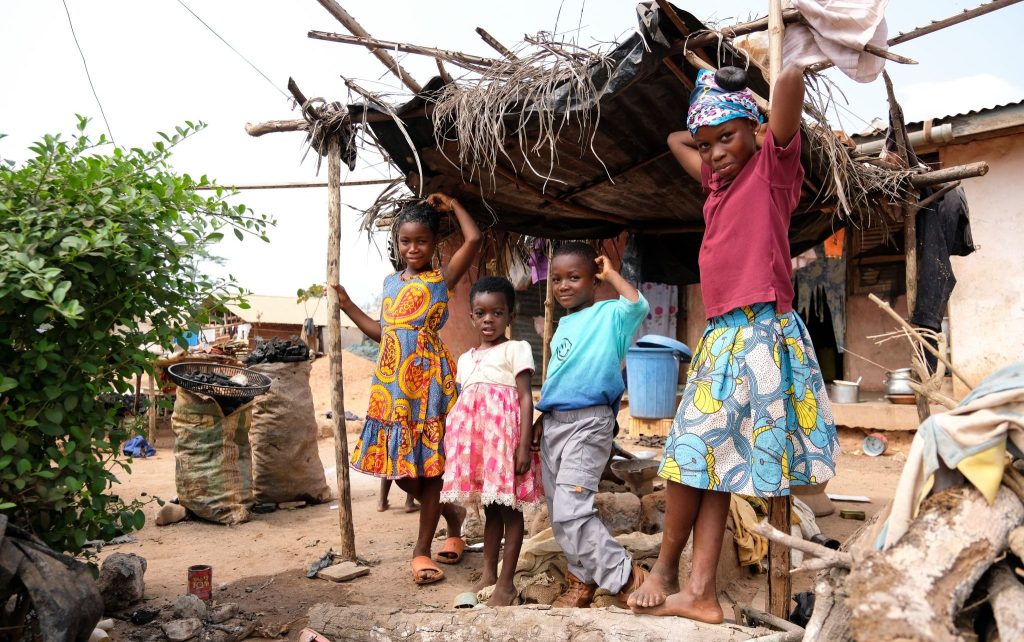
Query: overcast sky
point(154, 66)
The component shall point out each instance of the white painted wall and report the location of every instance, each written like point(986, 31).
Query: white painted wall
point(987, 306)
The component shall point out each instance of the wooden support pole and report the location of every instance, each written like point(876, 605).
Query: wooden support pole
point(297, 185)
point(549, 315)
point(780, 582)
point(347, 550)
point(495, 44)
point(152, 409)
point(350, 23)
point(776, 32)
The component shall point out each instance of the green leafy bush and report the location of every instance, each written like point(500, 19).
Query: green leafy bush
point(99, 258)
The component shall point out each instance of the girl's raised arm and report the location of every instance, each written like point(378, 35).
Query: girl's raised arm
point(471, 237)
point(787, 104)
point(366, 324)
point(685, 150)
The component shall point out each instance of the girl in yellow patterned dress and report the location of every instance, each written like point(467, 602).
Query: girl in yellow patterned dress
point(414, 384)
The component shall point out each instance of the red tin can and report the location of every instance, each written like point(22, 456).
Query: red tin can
point(200, 581)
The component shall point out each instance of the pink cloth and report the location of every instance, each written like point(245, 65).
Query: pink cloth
point(838, 31)
point(480, 442)
point(744, 257)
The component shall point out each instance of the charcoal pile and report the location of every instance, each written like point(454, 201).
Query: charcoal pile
point(278, 350)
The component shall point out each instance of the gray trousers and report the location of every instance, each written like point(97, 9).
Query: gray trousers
point(575, 448)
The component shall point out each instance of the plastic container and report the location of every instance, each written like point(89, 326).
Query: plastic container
point(652, 372)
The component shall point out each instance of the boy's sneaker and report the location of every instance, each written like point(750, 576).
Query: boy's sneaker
point(578, 595)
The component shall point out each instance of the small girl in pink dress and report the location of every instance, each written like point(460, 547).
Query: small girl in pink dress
point(489, 431)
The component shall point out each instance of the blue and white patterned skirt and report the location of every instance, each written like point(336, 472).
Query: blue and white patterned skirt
point(755, 418)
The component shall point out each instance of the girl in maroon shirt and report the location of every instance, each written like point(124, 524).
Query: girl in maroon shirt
point(754, 418)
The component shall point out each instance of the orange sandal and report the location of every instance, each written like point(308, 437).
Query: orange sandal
point(423, 563)
point(451, 551)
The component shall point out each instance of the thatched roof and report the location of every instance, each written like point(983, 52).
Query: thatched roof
point(610, 173)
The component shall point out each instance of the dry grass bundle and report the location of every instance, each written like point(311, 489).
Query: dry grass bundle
point(549, 85)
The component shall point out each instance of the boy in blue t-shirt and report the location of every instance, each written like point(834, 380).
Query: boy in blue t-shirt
point(584, 383)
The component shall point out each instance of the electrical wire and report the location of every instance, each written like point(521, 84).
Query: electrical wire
point(247, 61)
point(87, 74)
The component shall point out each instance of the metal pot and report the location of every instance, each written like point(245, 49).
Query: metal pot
point(845, 391)
point(897, 382)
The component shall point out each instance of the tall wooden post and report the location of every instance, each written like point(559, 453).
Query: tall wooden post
point(347, 551)
point(780, 584)
point(549, 316)
point(152, 409)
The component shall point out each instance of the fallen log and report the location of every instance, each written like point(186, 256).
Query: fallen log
point(380, 623)
point(1006, 595)
point(913, 589)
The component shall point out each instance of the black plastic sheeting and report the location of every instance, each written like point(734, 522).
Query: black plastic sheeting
point(642, 103)
point(64, 596)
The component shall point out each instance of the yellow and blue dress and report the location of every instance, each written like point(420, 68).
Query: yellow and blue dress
point(413, 386)
point(754, 418)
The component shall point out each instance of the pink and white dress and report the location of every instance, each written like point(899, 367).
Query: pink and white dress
point(482, 431)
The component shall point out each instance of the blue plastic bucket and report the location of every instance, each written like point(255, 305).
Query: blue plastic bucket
point(652, 372)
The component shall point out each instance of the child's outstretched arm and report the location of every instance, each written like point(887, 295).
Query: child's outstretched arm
point(606, 273)
point(524, 453)
point(471, 237)
point(787, 104)
point(366, 324)
point(683, 147)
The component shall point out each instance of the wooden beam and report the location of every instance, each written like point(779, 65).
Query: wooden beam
point(963, 16)
point(432, 52)
point(350, 23)
point(276, 126)
point(446, 77)
point(678, 72)
point(497, 46)
point(959, 172)
point(707, 38)
point(347, 548)
point(925, 202)
point(295, 185)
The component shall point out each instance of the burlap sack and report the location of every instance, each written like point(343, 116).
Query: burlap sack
point(285, 461)
point(212, 458)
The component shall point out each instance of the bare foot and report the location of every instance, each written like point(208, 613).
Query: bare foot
point(502, 596)
point(383, 506)
point(653, 591)
point(411, 506)
point(485, 581)
point(683, 604)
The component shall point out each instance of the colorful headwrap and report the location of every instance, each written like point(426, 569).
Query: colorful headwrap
point(711, 105)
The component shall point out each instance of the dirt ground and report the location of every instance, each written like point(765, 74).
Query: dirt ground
point(260, 565)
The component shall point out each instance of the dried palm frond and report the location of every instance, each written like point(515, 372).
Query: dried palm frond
point(549, 85)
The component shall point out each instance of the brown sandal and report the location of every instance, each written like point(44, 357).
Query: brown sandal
point(451, 551)
point(424, 563)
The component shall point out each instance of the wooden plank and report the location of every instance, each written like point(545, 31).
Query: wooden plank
point(347, 548)
point(780, 582)
point(963, 16)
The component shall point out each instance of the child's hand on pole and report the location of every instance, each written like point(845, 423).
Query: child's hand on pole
point(343, 297)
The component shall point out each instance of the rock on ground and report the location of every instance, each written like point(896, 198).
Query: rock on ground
point(189, 606)
point(223, 612)
point(170, 513)
point(121, 581)
point(652, 512)
point(181, 630)
point(620, 512)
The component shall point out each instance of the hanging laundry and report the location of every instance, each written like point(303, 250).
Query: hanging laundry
point(943, 230)
point(664, 301)
point(822, 282)
point(837, 32)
